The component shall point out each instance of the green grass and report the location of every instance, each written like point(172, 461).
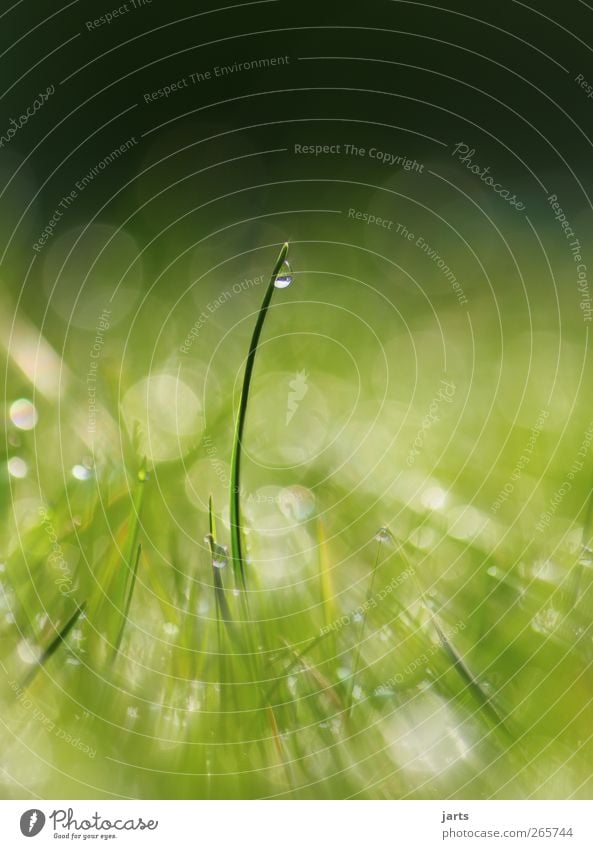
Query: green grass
point(235, 512)
point(296, 653)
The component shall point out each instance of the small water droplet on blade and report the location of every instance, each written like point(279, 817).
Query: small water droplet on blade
point(220, 553)
point(284, 277)
point(384, 535)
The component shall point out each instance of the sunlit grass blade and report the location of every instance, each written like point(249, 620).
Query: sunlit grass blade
point(130, 593)
point(235, 478)
point(298, 657)
point(113, 580)
point(282, 756)
point(325, 577)
point(470, 681)
point(319, 679)
point(55, 644)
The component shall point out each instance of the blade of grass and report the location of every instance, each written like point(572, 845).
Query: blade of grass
point(130, 593)
point(325, 577)
point(282, 756)
point(55, 644)
point(221, 602)
point(326, 688)
point(222, 613)
point(356, 661)
point(236, 637)
point(297, 659)
point(472, 684)
point(470, 681)
point(113, 582)
point(235, 507)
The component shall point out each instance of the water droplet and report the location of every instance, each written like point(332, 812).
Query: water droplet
point(297, 503)
point(81, 473)
point(143, 476)
point(17, 467)
point(221, 556)
point(170, 629)
point(132, 713)
point(384, 536)
point(23, 414)
point(284, 277)
point(220, 553)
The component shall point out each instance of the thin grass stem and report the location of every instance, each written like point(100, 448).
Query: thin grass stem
point(235, 506)
point(55, 644)
point(216, 553)
point(128, 600)
point(356, 662)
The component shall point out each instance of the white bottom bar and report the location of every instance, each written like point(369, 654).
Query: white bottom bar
point(294, 825)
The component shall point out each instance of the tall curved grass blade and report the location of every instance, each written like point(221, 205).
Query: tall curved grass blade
point(236, 637)
point(235, 506)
